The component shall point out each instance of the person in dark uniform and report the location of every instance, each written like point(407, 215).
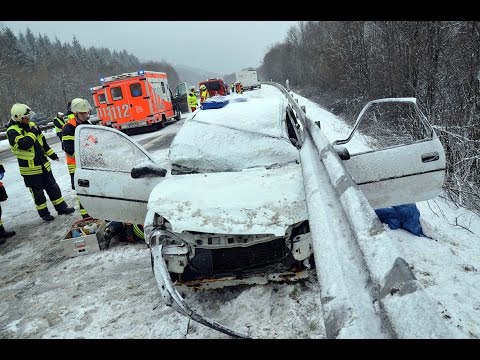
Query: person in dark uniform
point(4, 234)
point(124, 232)
point(31, 149)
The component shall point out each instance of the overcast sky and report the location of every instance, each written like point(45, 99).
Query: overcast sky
point(221, 47)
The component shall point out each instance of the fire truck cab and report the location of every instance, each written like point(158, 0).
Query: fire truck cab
point(136, 99)
point(215, 86)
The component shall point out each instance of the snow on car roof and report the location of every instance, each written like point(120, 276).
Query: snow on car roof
point(249, 131)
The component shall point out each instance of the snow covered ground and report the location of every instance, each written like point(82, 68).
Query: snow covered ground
point(113, 294)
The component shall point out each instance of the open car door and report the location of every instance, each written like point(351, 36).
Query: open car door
point(406, 161)
point(181, 97)
point(114, 175)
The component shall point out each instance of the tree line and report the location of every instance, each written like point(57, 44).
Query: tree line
point(344, 64)
point(339, 64)
point(46, 74)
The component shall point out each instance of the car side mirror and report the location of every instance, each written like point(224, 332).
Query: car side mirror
point(144, 171)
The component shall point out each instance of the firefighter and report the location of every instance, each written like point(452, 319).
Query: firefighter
point(239, 88)
point(4, 234)
point(232, 87)
point(192, 99)
point(80, 113)
point(125, 232)
point(31, 149)
point(69, 113)
point(59, 121)
point(204, 95)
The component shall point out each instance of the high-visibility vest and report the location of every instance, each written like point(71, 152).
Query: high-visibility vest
point(192, 99)
point(138, 231)
point(204, 95)
point(71, 163)
point(27, 163)
point(58, 124)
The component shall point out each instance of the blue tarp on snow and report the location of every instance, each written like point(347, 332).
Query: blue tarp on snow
point(401, 217)
point(215, 102)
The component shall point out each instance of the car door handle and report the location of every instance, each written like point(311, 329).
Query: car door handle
point(83, 183)
point(428, 157)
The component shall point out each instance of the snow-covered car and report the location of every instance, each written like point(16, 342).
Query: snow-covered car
point(231, 211)
point(232, 208)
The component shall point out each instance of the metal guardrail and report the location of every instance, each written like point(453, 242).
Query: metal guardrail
point(395, 305)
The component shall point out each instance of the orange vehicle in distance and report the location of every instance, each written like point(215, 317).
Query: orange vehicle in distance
point(136, 99)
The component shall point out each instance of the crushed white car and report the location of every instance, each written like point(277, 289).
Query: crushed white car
point(231, 210)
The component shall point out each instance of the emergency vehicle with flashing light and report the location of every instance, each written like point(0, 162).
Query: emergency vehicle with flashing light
point(136, 99)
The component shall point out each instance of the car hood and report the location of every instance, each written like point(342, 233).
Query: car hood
point(253, 201)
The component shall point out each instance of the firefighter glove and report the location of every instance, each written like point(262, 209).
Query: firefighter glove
point(53, 157)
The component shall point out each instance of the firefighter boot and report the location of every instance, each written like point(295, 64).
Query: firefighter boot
point(48, 217)
point(67, 210)
point(5, 234)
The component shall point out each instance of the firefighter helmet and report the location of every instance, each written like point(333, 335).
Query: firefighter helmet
point(20, 110)
point(202, 87)
point(80, 105)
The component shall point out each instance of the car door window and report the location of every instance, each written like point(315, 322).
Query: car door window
point(106, 150)
point(385, 125)
point(403, 162)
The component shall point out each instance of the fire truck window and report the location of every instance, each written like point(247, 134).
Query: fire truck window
point(214, 85)
point(163, 87)
point(102, 99)
point(116, 93)
point(136, 90)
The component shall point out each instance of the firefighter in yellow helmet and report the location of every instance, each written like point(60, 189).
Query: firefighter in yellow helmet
point(204, 95)
point(31, 149)
point(81, 109)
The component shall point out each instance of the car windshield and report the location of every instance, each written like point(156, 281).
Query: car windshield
point(250, 131)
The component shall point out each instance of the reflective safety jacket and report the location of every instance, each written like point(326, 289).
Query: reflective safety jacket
point(30, 147)
point(68, 141)
point(138, 231)
point(192, 99)
point(58, 124)
point(204, 95)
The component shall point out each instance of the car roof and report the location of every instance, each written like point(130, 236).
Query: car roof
point(250, 131)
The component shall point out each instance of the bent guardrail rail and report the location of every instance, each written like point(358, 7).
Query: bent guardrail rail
point(395, 303)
